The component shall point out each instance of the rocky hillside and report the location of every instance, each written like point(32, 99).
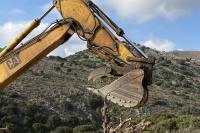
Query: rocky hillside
point(52, 96)
point(187, 54)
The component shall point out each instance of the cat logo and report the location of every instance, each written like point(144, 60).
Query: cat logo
point(13, 62)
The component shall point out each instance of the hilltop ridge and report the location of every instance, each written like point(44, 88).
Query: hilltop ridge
point(55, 90)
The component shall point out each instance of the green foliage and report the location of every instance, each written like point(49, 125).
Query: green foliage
point(167, 75)
point(72, 121)
point(160, 103)
point(165, 62)
point(57, 69)
point(53, 121)
point(160, 117)
point(94, 101)
point(65, 105)
point(27, 121)
point(39, 128)
point(84, 128)
point(176, 87)
point(40, 117)
point(184, 122)
point(69, 70)
point(63, 129)
point(187, 84)
point(166, 125)
point(58, 58)
point(14, 95)
point(90, 64)
point(32, 109)
point(180, 77)
point(33, 118)
point(181, 62)
point(10, 109)
point(159, 83)
point(85, 56)
point(163, 123)
point(196, 123)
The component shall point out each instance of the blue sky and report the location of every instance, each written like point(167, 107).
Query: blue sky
point(169, 25)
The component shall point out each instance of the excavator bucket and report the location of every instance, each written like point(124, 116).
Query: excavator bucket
point(128, 91)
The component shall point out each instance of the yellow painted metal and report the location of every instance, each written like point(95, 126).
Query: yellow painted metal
point(35, 23)
point(124, 53)
point(103, 37)
point(94, 31)
point(100, 40)
point(27, 55)
point(79, 18)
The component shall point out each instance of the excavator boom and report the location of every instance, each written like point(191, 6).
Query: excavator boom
point(19, 60)
point(85, 19)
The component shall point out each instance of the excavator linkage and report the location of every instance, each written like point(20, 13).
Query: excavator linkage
point(130, 90)
point(87, 20)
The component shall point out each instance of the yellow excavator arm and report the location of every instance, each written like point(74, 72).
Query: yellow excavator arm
point(87, 20)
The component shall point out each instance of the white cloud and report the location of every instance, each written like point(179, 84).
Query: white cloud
point(160, 44)
point(145, 10)
point(73, 45)
point(10, 30)
point(180, 49)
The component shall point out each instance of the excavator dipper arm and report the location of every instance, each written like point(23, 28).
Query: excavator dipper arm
point(129, 90)
point(86, 19)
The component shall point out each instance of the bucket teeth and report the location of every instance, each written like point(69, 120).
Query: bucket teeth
point(127, 91)
point(99, 73)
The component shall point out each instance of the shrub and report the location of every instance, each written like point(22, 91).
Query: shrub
point(166, 125)
point(57, 69)
point(14, 95)
point(39, 128)
point(58, 58)
point(90, 64)
point(53, 121)
point(181, 62)
point(94, 101)
point(69, 70)
point(165, 62)
point(86, 56)
point(17, 129)
point(65, 105)
point(10, 109)
point(180, 77)
point(32, 109)
point(196, 123)
point(72, 121)
point(184, 122)
point(187, 84)
point(159, 83)
point(63, 129)
point(9, 119)
point(167, 75)
point(27, 121)
point(160, 103)
point(40, 117)
point(84, 128)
